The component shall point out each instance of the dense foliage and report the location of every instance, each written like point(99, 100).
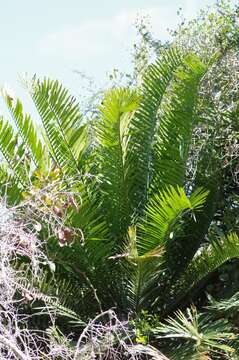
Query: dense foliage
point(133, 212)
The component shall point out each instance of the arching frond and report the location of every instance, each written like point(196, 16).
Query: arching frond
point(150, 253)
point(163, 216)
point(28, 133)
point(176, 121)
point(112, 135)
point(199, 334)
point(61, 118)
point(9, 186)
point(13, 151)
point(208, 259)
point(230, 305)
point(143, 125)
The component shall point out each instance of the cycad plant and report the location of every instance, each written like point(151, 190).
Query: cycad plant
point(129, 231)
point(195, 336)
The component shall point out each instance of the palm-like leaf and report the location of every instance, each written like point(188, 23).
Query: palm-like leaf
point(201, 335)
point(150, 253)
point(28, 133)
point(175, 125)
point(111, 128)
point(61, 119)
point(13, 151)
point(208, 259)
point(164, 213)
point(143, 126)
point(226, 305)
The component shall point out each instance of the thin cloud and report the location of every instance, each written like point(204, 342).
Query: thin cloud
point(97, 46)
point(102, 37)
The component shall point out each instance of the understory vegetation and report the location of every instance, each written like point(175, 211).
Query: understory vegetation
point(119, 226)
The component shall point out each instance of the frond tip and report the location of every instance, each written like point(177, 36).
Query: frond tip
point(164, 213)
point(200, 334)
point(209, 258)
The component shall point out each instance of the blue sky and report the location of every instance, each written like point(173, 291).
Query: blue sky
point(53, 37)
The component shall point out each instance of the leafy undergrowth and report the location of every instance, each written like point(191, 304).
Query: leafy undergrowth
point(104, 337)
point(22, 263)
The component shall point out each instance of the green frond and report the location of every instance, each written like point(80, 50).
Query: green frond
point(199, 335)
point(61, 118)
point(28, 133)
point(208, 259)
point(176, 121)
point(208, 174)
point(143, 125)
point(13, 151)
point(225, 305)
point(143, 280)
point(60, 296)
point(111, 130)
point(9, 186)
point(79, 143)
point(164, 215)
point(150, 253)
point(55, 308)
